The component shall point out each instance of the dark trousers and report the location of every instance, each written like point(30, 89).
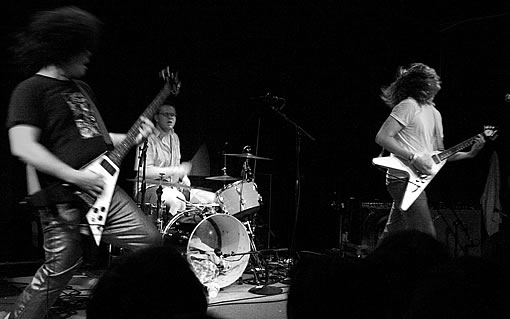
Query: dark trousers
point(126, 227)
point(417, 217)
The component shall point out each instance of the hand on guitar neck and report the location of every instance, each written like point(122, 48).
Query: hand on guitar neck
point(424, 163)
point(145, 130)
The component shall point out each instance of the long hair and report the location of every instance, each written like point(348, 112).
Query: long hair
point(54, 37)
point(418, 81)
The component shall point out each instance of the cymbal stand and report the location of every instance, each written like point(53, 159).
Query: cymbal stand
point(246, 172)
point(224, 169)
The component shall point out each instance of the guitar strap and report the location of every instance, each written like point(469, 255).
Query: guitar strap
point(99, 119)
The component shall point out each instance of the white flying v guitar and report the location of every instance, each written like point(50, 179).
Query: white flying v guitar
point(108, 164)
point(417, 181)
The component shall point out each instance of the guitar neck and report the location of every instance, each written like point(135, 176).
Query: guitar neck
point(121, 150)
point(454, 149)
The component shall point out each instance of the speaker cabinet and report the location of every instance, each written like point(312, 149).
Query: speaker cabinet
point(459, 229)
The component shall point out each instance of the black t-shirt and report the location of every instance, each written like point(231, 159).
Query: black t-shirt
point(68, 124)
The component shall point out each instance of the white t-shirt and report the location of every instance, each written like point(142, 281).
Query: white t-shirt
point(422, 130)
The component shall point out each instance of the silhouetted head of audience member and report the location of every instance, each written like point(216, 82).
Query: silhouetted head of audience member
point(151, 283)
point(332, 287)
point(466, 287)
point(404, 257)
point(411, 250)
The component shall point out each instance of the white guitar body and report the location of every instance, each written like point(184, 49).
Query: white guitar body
point(107, 165)
point(96, 215)
point(417, 182)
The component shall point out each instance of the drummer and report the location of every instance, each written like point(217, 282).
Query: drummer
point(163, 156)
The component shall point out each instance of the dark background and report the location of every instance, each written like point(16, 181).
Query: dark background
point(327, 59)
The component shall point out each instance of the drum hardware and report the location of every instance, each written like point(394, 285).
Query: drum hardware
point(224, 177)
point(159, 206)
point(246, 172)
point(161, 182)
point(204, 209)
point(256, 265)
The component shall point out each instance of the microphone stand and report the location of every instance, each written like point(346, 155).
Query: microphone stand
point(142, 164)
point(269, 232)
point(455, 232)
point(299, 133)
point(458, 222)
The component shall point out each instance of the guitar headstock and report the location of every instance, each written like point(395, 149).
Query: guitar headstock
point(172, 80)
point(490, 132)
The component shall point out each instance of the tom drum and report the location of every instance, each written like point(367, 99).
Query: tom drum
point(240, 199)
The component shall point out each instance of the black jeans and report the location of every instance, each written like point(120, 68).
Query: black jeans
point(416, 217)
point(126, 227)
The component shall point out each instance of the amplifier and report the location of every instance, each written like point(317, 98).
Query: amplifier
point(367, 221)
point(376, 205)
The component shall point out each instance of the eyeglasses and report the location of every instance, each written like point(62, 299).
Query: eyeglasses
point(167, 115)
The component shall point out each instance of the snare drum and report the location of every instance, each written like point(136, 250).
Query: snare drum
point(204, 236)
point(240, 199)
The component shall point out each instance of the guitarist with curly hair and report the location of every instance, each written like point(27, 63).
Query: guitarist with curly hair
point(413, 134)
point(55, 128)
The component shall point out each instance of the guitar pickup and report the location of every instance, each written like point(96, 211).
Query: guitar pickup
point(108, 167)
point(436, 159)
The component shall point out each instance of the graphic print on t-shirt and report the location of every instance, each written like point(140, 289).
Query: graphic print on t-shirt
point(82, 114)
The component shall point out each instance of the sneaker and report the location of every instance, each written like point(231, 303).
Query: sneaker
point(4, 315)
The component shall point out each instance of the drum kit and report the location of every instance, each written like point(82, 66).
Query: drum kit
point(217, 238)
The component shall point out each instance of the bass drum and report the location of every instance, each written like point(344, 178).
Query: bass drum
point(216, 245)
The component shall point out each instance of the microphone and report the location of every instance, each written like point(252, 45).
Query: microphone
point(275, 102)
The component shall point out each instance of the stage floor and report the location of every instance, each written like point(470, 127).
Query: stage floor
point(233, 301)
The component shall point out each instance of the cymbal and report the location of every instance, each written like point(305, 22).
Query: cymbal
point(222, 178)
point(157, 181)
point(249, 155)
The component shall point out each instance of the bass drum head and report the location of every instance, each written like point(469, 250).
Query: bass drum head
point(202, 238)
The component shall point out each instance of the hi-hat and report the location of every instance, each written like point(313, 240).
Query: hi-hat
point(250, 156)
point(221, 178)
point(158, 181)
